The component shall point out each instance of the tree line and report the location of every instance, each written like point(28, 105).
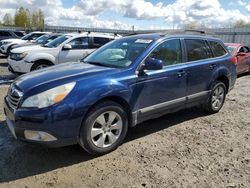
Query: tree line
point(25, 18)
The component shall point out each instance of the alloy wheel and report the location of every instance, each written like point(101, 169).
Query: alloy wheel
point(106, 129)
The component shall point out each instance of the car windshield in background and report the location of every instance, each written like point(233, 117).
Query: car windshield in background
point(19, 34)
point(51, 38)
point(56, 42)
point(119, 53)
point(26, 36)
point(231, 49)
point(41, 39)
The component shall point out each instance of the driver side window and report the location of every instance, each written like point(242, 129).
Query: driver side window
point(79, 43)
point(169, 52)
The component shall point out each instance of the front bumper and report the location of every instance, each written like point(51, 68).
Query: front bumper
point(18, 121)
point(19, 66)
point(3, 50)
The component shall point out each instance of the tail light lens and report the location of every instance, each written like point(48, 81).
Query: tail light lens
point(234, 60)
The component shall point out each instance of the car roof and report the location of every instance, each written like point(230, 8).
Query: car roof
point(156, 36)
point(232, 44)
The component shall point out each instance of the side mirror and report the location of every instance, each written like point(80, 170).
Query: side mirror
point(153, 64)
point(67, 47)
point(241, 54)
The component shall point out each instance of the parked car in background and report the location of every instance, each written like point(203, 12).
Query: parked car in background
point(67, 48)
point(242, 56)
point(42, 40)
point(123, 83)
point(10, 34)
point(5, 45)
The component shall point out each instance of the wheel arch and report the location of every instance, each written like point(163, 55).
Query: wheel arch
point(40, 61)
point(224, 79)
point(117, 99)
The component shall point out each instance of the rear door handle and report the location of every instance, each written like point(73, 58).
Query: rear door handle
point(181, 73)
point(212, 66)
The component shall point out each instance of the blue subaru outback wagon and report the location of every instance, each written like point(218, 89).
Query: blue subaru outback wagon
point(121, 84)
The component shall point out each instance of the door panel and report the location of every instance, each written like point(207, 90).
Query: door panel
point(161, 90)
point(200, 69)
point(79, 50)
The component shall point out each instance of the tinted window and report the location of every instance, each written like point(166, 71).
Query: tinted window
point(79, 43)
point(169, 52)
point(19, 34)
point(217, 49)
point(100, 41)
point(5, 34)
point(197, 49)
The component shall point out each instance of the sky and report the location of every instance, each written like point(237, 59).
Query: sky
point(142, 14)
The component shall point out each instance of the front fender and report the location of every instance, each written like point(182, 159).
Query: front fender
point(40, 56)
point(88, 94)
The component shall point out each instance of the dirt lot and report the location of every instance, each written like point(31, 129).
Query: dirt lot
point(184, 149)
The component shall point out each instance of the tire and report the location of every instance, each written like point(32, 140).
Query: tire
point(8, 50)
point(217, 98)
point(98, 136)
point(39, 65)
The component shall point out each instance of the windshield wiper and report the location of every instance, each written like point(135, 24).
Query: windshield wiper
point(98, 64)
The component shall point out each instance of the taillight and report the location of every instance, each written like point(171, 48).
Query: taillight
point(234, 60)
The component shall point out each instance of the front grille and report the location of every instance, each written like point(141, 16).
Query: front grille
point(14, 96)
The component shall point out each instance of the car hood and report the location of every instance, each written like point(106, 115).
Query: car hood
point(13, 40)
point(53, 76)
point(29, 48)
point(26, 44)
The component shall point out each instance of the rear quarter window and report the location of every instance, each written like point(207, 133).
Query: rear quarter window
point(217, 49)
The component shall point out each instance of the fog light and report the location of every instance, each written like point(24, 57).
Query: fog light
point(38, 136)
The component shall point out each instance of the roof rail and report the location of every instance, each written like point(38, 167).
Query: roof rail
point(189, 32)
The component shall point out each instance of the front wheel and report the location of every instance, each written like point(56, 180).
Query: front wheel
point(104, 128)
point(216, 98)
point(40, 65)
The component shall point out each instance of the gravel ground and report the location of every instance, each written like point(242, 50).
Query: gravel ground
point(184, 149)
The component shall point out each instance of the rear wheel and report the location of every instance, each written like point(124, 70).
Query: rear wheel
point(104, 129)
point(216, 98)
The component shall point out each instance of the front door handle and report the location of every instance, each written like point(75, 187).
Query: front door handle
point(181, 73)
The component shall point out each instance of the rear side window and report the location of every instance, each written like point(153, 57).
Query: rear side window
point(100, 41)
point(5, 34)
point(217, 49)
point(197, 49)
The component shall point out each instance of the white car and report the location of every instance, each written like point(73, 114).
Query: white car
point(5, 45)
point(67, 48)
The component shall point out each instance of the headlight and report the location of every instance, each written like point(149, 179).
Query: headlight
point(4, 43)
point(18, 57)
point(49, 97)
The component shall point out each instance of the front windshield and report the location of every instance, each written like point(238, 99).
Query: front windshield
point(57, 41)
point(41, 39)
point(231, 49)
point(119, 53)
point(26, 36)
